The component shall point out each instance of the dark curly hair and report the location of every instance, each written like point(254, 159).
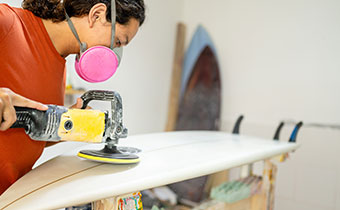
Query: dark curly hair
point(54, 9)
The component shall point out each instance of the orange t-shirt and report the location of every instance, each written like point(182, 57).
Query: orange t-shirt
point(30, 66)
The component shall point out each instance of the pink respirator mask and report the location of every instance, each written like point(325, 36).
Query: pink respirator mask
point(98, 63)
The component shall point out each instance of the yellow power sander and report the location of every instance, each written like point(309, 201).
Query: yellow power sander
point(59, 123)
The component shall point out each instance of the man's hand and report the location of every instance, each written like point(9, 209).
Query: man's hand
point(9, 99)
point(79, 104)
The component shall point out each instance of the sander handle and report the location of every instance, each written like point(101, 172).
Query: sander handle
point(99, 95)
point(27, 116)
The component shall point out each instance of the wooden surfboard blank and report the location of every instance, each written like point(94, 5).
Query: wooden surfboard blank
point(176, 78)
point(166, 158)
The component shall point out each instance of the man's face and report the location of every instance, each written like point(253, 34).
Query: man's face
point(100, 34)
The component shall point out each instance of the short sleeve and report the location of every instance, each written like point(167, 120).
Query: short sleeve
point(6, 20)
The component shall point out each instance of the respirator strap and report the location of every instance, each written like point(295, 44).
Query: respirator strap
point(113, 23)
point(117, 51)
point(83, 45)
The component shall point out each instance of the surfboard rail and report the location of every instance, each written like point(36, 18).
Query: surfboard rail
point(166, 158)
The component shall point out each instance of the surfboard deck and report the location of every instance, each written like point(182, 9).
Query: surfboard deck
point(166, 158)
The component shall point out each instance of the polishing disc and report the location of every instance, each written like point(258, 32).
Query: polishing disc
point(115, 155)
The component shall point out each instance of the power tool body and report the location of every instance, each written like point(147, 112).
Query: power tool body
point(59, 123)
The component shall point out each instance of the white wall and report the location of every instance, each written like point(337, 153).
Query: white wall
point(280, 60)
point(13, 3)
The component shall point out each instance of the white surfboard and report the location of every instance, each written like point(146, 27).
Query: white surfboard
point(166, 158)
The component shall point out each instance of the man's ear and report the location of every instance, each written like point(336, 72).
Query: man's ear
point(97, 13)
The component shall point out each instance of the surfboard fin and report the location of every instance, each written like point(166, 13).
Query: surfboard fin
point(278, 131)
point(112, 154)
point(295, 132)
point(236, 129)
point(292, 139)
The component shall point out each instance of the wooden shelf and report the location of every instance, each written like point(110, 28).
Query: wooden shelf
point(74, 92)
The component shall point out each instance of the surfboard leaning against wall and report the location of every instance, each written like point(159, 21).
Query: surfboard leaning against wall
point(199, 101)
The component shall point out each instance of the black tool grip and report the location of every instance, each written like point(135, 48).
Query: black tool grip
point(40, 125)
point(27, 116)
point(23, 117)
